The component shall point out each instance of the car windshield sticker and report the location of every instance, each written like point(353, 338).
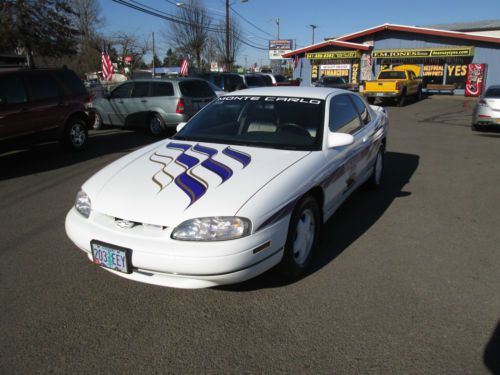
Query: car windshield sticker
point(189, 182)
point(269, 99)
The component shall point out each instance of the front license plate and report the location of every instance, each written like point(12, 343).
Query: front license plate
point(379, 94)
point(111, 256)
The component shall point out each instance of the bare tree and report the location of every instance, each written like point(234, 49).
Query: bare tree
point(235, 44)
point(127, 44)
point(189, 35)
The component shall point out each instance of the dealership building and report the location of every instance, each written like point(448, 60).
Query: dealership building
point(449, 55)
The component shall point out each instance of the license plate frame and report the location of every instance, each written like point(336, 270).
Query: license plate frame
point(121, 255)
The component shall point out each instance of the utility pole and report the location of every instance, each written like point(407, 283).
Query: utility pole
point(278, 23)
point(153, 72)
point(227, 37)
point(313, 27)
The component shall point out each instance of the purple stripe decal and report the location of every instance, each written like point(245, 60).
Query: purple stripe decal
point(237, 155)
point(278, 215)
point(223, 171)
point(194, 188)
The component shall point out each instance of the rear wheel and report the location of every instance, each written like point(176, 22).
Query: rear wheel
point(156, 126)
point(97, 121)
point(402, 99)
point(302, 238)
point(75, 134)
point(418, 96)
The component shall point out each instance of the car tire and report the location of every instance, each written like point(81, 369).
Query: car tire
point(75, 134)
point(98, 125)
point(156, 125)
point(377, 175)
point(302, 238)
point(370, 100)
point(402, 100)
point(419, 95)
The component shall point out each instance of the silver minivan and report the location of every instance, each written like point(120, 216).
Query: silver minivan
point(156, 104)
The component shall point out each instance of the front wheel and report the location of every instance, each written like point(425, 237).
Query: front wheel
point(401, 100)
point(97, 121)
point(75, 134)
point(375, 179)
point(302, 238)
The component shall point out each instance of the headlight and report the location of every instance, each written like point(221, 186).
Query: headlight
point(82, 203)
point(219, 228)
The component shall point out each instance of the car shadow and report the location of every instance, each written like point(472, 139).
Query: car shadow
point(491, 355)
point(48, 156)
point(356, 215)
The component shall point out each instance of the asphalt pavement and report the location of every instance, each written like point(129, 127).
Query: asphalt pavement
point(406, 281)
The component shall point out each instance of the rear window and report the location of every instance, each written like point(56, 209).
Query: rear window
point(163, 89)
point(197, 89)
point(254, 81)
point(493, 93)
point(12, 89)
point(392, 75)
point(71, 82)
point(280, 78)
point(267, 80)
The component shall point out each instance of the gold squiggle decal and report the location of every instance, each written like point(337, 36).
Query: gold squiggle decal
point(154, 179)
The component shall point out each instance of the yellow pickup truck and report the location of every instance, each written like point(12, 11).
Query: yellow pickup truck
point(397, 83)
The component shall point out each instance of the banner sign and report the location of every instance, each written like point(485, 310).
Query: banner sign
point(275, 54)
point(335, 66)
point(333, 55)
point(423, 52)
point(282, 44)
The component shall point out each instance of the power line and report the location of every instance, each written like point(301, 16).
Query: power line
point(250, 23)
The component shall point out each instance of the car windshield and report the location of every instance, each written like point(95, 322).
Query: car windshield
point(260, 121)
point(392, 75)
point(493, 93)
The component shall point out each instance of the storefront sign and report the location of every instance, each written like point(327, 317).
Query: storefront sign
point(276, 54)
point(423, 52)
point(284, 44)
point(335, 66)
point(333, 55)
point(433, 70)
point(354, 75)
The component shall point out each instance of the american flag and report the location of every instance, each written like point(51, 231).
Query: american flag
point(184, 67)
point(107, 67)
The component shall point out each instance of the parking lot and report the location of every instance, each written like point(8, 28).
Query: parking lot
point(407, 279)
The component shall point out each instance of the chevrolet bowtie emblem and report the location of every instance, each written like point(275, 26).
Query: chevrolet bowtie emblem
point(125, 224)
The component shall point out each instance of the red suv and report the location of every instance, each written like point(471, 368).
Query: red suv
point(42, 104)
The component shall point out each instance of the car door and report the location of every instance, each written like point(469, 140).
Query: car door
point(45, 102)
point(119, 101)
point(163, 100)
point(15, 116)
point(342, 173)
point(367, 151)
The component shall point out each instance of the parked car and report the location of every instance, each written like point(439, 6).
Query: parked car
point(397, 84)
point(253, 80)
point(226, 81)
point(157, 104)
point(337, 83)
point(42, 104)
point(284, 81)
point(486, 113)
point(244, 186)
point(218, 91)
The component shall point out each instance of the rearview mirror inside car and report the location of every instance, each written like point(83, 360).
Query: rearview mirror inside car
point(180, 125)
point(339, 139)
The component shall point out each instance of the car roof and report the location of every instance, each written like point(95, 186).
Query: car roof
point(293, 91)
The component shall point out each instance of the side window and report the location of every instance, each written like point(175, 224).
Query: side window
point(71, 82)
point(194, 88)
point(124, 91)
point(362, 110)
point(344, 117)
point(42, 86)
point(141, 90)
point(163, 89)
point(12, 89)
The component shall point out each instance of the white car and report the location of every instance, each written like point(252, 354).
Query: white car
point(244, 186)
point(486, 113)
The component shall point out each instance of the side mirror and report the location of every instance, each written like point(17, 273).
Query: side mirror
point(180, 125)
point(339, 139)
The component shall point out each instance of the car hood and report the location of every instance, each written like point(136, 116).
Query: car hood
point(172, 181)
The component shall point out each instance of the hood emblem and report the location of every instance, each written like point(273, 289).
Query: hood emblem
point(124, 224)
point(188, 181)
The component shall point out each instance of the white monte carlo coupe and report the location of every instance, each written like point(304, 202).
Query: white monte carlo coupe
point(244, 186)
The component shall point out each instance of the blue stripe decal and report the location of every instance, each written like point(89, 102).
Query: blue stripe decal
point(237, 155)
point(223, 171)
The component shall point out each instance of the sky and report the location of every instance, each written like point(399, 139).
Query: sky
point(332, 18)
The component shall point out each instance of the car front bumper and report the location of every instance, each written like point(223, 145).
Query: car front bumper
point(158, 259)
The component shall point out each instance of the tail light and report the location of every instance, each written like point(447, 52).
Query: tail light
point(180, 106)
point(88, 101)
point(398, 86)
